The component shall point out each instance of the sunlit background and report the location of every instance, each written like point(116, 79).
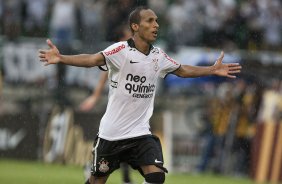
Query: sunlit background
point(223, 127)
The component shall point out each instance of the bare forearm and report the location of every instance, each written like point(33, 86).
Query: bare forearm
point(99, 89)
point(90, 102)
point(187, 71)
point(82, 60)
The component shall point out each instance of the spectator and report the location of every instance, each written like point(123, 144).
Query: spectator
point(177, 17)
point(215, 14)
point(63, 21)
point(91, 13)
point(273, 25)
point(36, 15)
point(12, 18)
point(271, 102)
point(1, 16)
point(116, 13)
point(251, 11)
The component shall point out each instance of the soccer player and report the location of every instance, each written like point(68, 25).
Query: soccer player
point(134, 67)
point(123, 34)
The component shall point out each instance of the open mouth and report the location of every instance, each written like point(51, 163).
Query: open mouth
point(155, 33)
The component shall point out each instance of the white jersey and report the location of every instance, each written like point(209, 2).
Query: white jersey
point(132, 84)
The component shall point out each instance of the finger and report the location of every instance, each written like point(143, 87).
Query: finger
point(46, 64)
point(50, 44)
point(221, 56)
point(42, 51)
point(233, 64)
point(41, 55)
point(231, 76)
point(235, 67)
point(43, 60)
point(234, 71)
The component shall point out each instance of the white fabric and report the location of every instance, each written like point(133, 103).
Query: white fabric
point(132, 85)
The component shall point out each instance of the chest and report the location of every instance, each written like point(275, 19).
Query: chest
point(140, 64)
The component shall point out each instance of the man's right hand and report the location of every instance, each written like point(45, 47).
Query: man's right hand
point(50, 56)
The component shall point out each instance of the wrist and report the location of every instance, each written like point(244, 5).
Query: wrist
point(61, 58)
point(213, 70)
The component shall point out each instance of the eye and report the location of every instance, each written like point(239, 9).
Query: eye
point(150, 20)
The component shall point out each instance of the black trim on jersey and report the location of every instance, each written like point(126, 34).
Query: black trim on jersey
point(102, 67)
point(114, 84)
point(172, 71)
point(131, 43)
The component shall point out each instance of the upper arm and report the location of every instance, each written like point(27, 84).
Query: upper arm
point(168, 64)
point(98, 59)
point(179, 71)
point(114, 55)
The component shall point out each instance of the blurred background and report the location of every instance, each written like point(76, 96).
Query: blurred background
point(211, 124)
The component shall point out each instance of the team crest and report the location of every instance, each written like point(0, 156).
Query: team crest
point(104, 166)
point(155, 51)
point(156, 64)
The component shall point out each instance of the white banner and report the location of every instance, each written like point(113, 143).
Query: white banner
point(21, 63)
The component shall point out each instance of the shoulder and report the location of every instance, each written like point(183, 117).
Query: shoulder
point(164, 56)
point(160, 52)
point(156, 50)
point(115, 48)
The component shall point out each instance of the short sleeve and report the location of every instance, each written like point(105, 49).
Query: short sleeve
point(168, 64)
point(114, 55)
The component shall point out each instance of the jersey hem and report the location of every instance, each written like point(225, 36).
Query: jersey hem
point(106, 65)
point(172, 71)
point(122, 138)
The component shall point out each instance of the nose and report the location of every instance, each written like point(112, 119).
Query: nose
point(156, 24)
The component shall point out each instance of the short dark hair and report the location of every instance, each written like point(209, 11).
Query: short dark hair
point(134, 16)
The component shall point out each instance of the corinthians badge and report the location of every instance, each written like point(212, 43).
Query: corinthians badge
point(103, 165)
point(156, 64)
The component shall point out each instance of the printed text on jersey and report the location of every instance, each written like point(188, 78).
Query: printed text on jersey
point(138, 88)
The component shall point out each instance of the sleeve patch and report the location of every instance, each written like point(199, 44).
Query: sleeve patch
point(169, 58)
point(115, 50)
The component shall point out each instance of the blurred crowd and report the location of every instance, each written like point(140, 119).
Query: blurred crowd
point(245, 24)
point(236, 24)
point(230, 123)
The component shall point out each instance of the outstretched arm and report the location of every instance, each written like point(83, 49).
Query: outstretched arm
point(53, 56)
point(91, 101)
point(220, 69)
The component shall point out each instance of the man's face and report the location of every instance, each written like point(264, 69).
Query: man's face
point(148, 26)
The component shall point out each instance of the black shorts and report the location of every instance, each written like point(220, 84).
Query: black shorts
point(139, 151)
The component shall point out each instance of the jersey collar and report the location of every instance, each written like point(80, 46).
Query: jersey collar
point(131, 43)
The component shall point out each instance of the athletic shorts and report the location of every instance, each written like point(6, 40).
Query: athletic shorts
point(138, 151)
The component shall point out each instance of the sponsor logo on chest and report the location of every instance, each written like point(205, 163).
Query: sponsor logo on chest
point(138, 87)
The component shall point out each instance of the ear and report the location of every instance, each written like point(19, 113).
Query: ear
point(135, 27)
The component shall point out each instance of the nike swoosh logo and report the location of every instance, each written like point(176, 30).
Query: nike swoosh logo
point(16, 138)
point(158, 162)
point(132, 62)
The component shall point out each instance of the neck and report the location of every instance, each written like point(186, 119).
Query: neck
point(142, 45)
